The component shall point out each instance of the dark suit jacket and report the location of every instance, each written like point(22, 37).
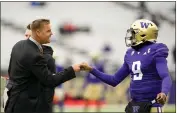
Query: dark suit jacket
point(48, 92)
point(27, 71)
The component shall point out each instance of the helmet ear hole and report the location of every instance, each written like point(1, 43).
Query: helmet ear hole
point(143, 35)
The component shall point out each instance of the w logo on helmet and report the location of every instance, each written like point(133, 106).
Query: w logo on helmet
point(144, 24)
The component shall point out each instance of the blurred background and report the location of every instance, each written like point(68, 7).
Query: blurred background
point(92, 32)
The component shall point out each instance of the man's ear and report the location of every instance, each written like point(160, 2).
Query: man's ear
point(37, 32)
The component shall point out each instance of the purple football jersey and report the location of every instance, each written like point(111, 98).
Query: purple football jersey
point(145, 80)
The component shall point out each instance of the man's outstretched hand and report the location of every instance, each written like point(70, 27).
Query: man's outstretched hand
point(81, 67)
point(76, 67)
point(85, 67)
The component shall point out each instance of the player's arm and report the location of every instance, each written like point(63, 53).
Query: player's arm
point(112, 80)
point(161, 65)
point(162, 69)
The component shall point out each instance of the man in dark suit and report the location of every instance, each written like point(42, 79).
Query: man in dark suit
point(28, 70)
point(48, 92)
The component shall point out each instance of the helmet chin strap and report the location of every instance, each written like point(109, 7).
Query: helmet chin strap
point(152, 40)
point(137, 44)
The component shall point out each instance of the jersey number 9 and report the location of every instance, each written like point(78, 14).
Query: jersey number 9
point(136, 69)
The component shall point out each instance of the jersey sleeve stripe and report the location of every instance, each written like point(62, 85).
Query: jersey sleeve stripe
point(162, 49)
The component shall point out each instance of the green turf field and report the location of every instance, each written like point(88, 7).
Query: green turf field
point(108, 108)
point(105, 108)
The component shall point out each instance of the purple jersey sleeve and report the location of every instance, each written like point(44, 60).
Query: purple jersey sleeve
point(112, 80)
point(161, 65)
point(161, 51)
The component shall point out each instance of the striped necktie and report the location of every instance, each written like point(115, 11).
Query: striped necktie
point(41, 50)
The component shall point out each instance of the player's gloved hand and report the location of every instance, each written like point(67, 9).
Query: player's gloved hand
point(85, 67)
point(161, 98)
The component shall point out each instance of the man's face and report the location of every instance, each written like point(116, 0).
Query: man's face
point(28, 33)
point(44, 34)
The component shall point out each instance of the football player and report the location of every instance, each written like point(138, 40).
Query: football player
point(146, 63)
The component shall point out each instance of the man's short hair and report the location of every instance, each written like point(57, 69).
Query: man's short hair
point(37, 24)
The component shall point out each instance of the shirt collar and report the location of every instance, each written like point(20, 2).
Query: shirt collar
point(38, 45)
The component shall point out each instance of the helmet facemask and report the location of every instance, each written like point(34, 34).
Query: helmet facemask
point(130, 39)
